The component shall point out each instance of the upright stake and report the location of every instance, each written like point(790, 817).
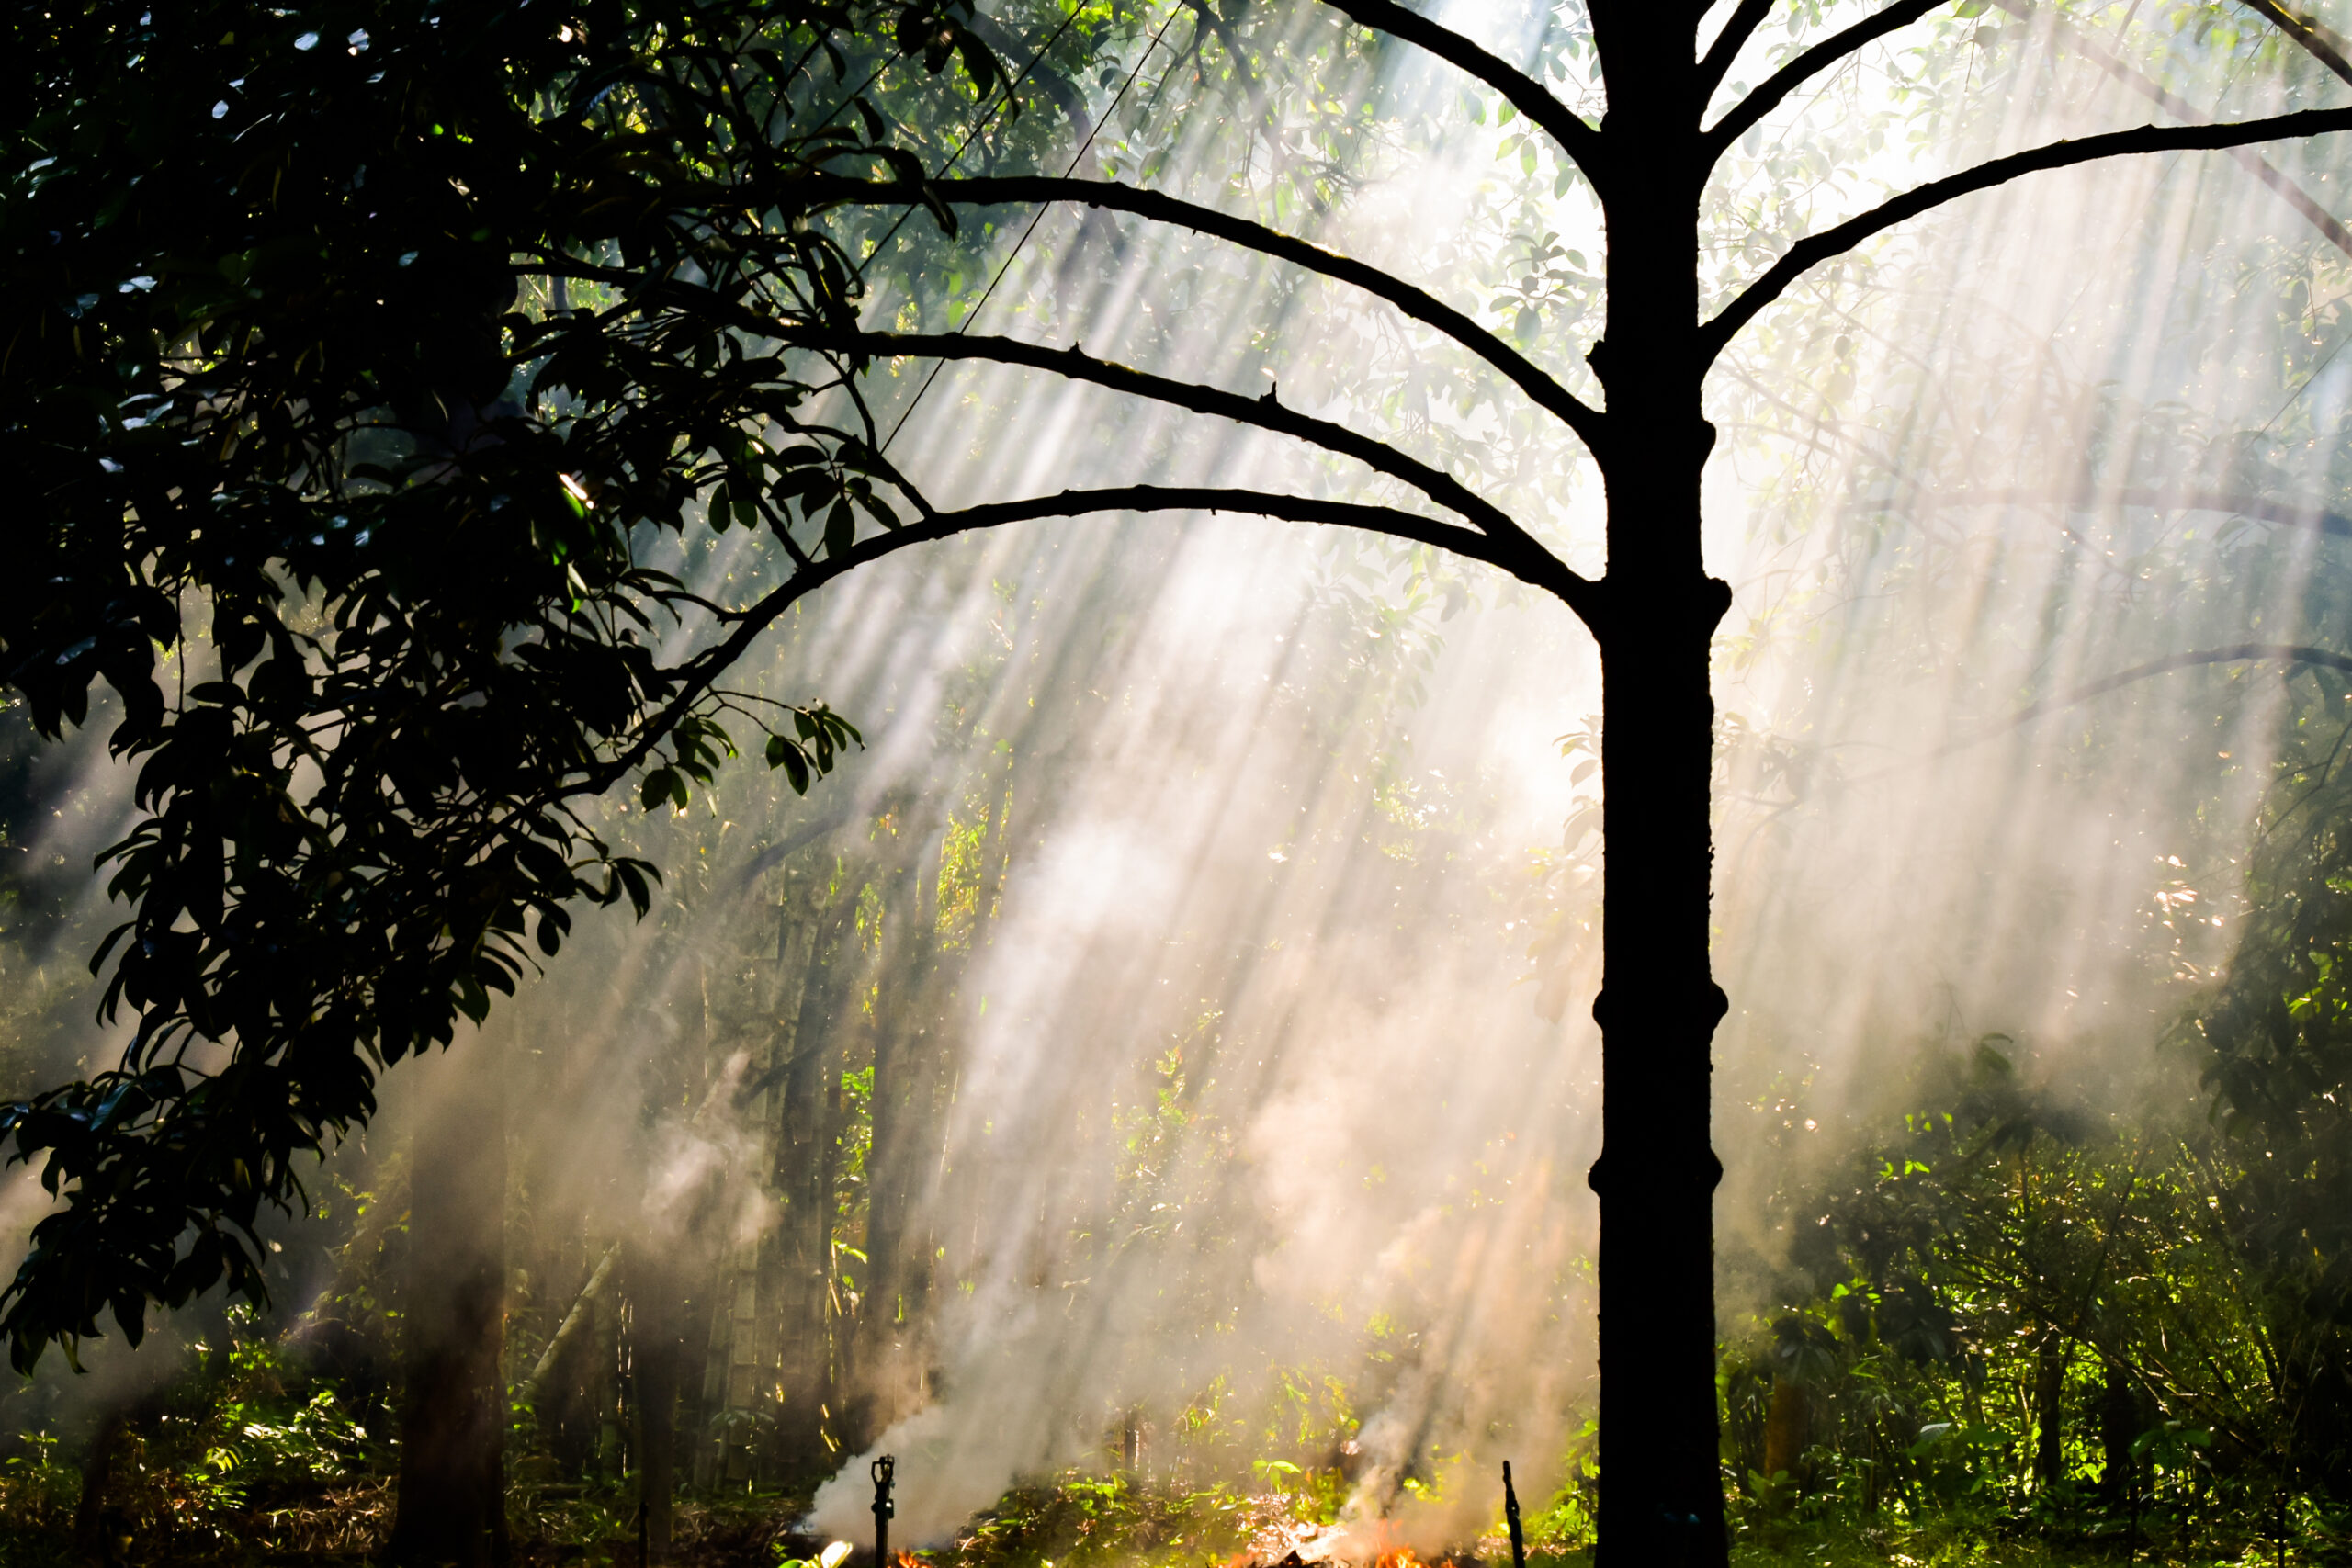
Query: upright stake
point(884, 1469)
point(1510, 1513)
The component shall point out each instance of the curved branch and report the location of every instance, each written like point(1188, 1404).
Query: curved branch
point(2289, 513)
point(1738, 28)
point(1538, 570)
point(1581, 143)
point(2324, 44)
point(1541, 389)
point(775, 854)
point(2244, 653)
point(2173, 104)
point(1810, 252)
point(1775, 88)
point(1543, 571)
point(1263, 412)
point(2294, 653)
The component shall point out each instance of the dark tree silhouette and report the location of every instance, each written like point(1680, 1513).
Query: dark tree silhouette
point(1652, 615)
point(475, 666)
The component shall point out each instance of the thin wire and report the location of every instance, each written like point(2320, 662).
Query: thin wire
point(979, 122)
point(1034, 218)
point(2296, 395)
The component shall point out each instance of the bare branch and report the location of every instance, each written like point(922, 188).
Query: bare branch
point(1263, 412)
point(2172, 103)
point(1540, 388)
point(2292, 653)
point(2325, 45)
point(1579, 141)
point(1538, 570)
point(2237, 653)
point(2286, 512)
point(1533, 564)
point(1738, 29)
point(1816, 249)
point(1776, 87)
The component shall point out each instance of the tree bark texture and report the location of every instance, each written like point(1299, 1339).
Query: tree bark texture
point(453, 1471)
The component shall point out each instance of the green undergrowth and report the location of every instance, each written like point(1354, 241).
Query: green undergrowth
point(1076, 1520)
point(1962, 1543)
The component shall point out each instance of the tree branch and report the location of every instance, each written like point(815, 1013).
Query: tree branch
point(2289, 513)
point(1738, 29)
point(1809, 252)
point(1533, 564)
point(2324, 44)
point(1776, 87)
point(2294, 653)
point(1579, 141)
point(1263, 412)
point(2173, 104)
point(1540, 388)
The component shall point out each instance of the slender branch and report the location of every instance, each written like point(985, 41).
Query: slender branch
point(2325, 44)
point(1263, 412)
point(2172, 103)
point(569, 1329)
point(1536, 567)
point(1738, 29)
point(2288, 512)
point(1252, 91)
point(1540, 388)
point(2294, 653)
point(1776, 87)
point(1817, 248)
point(777, 853)
point(1579, 141)
point(1540, 569)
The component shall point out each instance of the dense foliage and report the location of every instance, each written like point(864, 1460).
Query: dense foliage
point(404, 510)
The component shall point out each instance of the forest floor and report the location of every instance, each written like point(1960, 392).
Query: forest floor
point(1971, 1544)
point(1077, 1523)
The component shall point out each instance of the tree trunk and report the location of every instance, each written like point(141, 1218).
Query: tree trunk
point(2119, 1428)
point(605, 1387)
point(1788, 1429)
point(888, 1372)
point(1661, 1491)
point(453, 1466)
point(101, 1532)
point(1661, 1498)
point(806, 1136)
point(656, 1355)
point(2049, 1411)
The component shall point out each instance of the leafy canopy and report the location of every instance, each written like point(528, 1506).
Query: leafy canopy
point(368, 366)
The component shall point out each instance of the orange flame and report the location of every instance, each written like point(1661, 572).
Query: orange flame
point(1386, 1551)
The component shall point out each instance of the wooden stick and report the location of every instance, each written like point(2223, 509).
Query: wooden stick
point(1510, 1514)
